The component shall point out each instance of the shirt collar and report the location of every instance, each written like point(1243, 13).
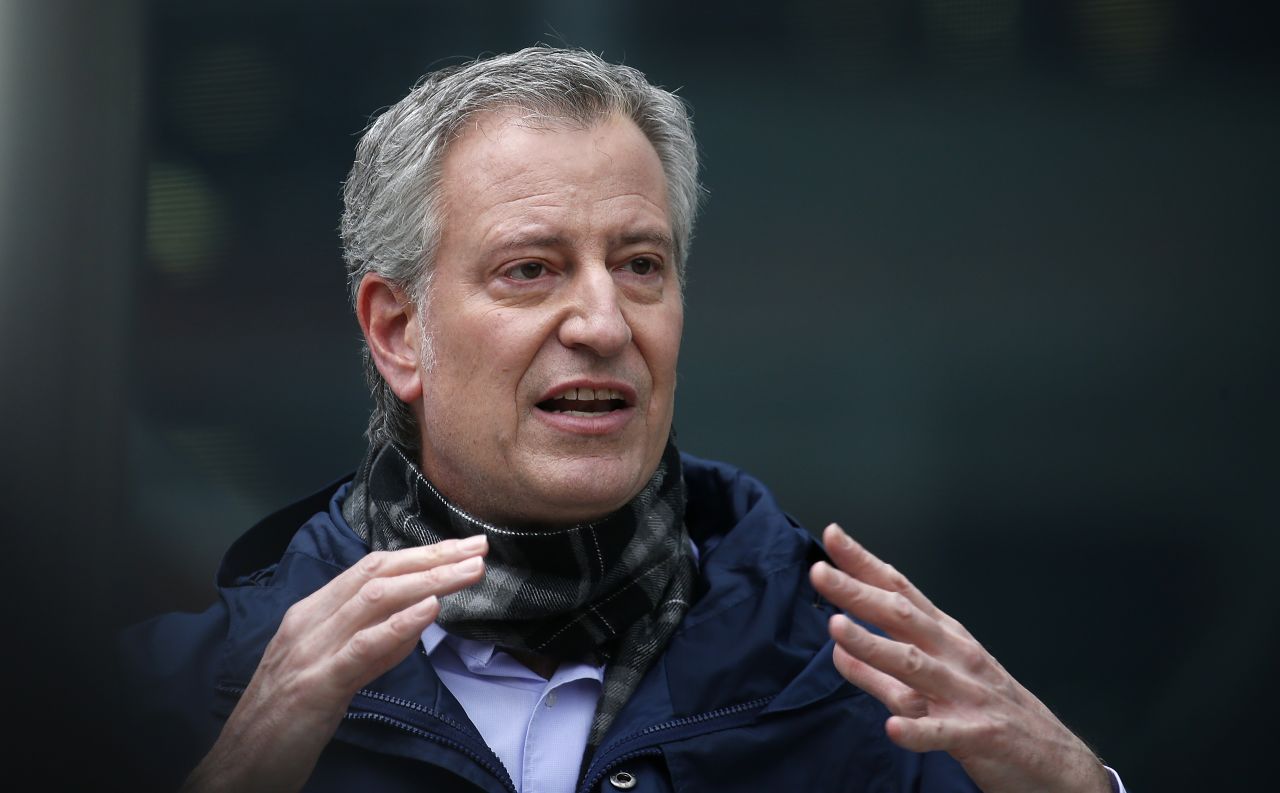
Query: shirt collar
point(477, 656)
point(473, 653)
point(431, 637)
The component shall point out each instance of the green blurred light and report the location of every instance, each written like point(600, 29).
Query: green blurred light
point(184, 223)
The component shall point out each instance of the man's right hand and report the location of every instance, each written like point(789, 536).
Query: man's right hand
point(328, 646)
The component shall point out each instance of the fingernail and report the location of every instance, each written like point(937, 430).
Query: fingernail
point(469, 566)
point(474, 543)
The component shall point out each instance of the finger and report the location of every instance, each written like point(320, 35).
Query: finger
point(926, 734)
point(904, 662)
point(374, 650)
point(851, 557)
point(857, 561)
point(380, 598)
point(894, 612)
point(382, 564)
point(900, 699)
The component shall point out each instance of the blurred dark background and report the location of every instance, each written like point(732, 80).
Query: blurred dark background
point(990, 282)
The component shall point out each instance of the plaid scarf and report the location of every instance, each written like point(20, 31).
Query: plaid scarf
point(616, 588)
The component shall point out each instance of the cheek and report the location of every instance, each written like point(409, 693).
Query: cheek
point(495, 351)
point(666, 346)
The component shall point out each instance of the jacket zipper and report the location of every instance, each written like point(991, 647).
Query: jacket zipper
point(500, 774)
point(498, 771)
point(596, 771)
point(490, 763)
point(603, 762)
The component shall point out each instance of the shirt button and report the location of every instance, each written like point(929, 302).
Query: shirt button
point(551, 700)
point(623, 780)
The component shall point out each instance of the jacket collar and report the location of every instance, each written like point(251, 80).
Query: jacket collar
point(752, 595)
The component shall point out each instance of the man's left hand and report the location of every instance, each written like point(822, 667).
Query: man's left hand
point(944, 690)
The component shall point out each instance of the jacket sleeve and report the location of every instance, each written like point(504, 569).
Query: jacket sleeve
point(933, 772)
point(164, 697)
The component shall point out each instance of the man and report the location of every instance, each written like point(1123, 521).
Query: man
point(526, 586)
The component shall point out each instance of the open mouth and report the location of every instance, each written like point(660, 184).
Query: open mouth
point(584, 402)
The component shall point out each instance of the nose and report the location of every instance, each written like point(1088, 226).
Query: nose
point(594, 319)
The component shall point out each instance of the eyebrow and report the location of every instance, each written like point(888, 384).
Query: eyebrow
point(658, 238)
point(522, 241)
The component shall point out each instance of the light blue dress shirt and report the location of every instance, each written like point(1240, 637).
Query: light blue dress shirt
point(537, 727)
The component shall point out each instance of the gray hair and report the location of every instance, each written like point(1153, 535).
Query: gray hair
point(391, 219)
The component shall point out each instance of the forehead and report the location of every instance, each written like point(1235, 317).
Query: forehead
point(510, 163)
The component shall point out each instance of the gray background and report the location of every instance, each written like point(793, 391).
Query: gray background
point(990, 283)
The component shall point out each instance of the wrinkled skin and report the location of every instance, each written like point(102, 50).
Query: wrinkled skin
point(946, 692)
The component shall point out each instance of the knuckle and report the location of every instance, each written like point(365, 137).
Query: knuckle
point(361, 646)
point(850, 590)
point(973, 658)
point(400, 625)
point(437, 552)
point(374, 591)
point(913, 661)
point(291, 624)
point(871, 651)
point(374, 563)
point(902, 607)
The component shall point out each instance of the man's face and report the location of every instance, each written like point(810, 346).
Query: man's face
point(555, 317)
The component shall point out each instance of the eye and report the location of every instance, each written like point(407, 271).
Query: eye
point(526, 271)
point(643, 265)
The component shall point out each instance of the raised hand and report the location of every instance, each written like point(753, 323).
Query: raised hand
point(328, 646)
point(945, 691)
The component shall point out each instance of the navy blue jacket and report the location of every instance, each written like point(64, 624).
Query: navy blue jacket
point(745, 698)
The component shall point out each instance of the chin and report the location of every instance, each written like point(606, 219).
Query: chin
point(578, 491)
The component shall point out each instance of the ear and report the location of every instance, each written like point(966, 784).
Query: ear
point(390, 324)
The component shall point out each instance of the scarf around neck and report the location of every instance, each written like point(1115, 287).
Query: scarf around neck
point(615, 588)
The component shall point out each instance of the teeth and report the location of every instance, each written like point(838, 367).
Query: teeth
point(589, 393)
